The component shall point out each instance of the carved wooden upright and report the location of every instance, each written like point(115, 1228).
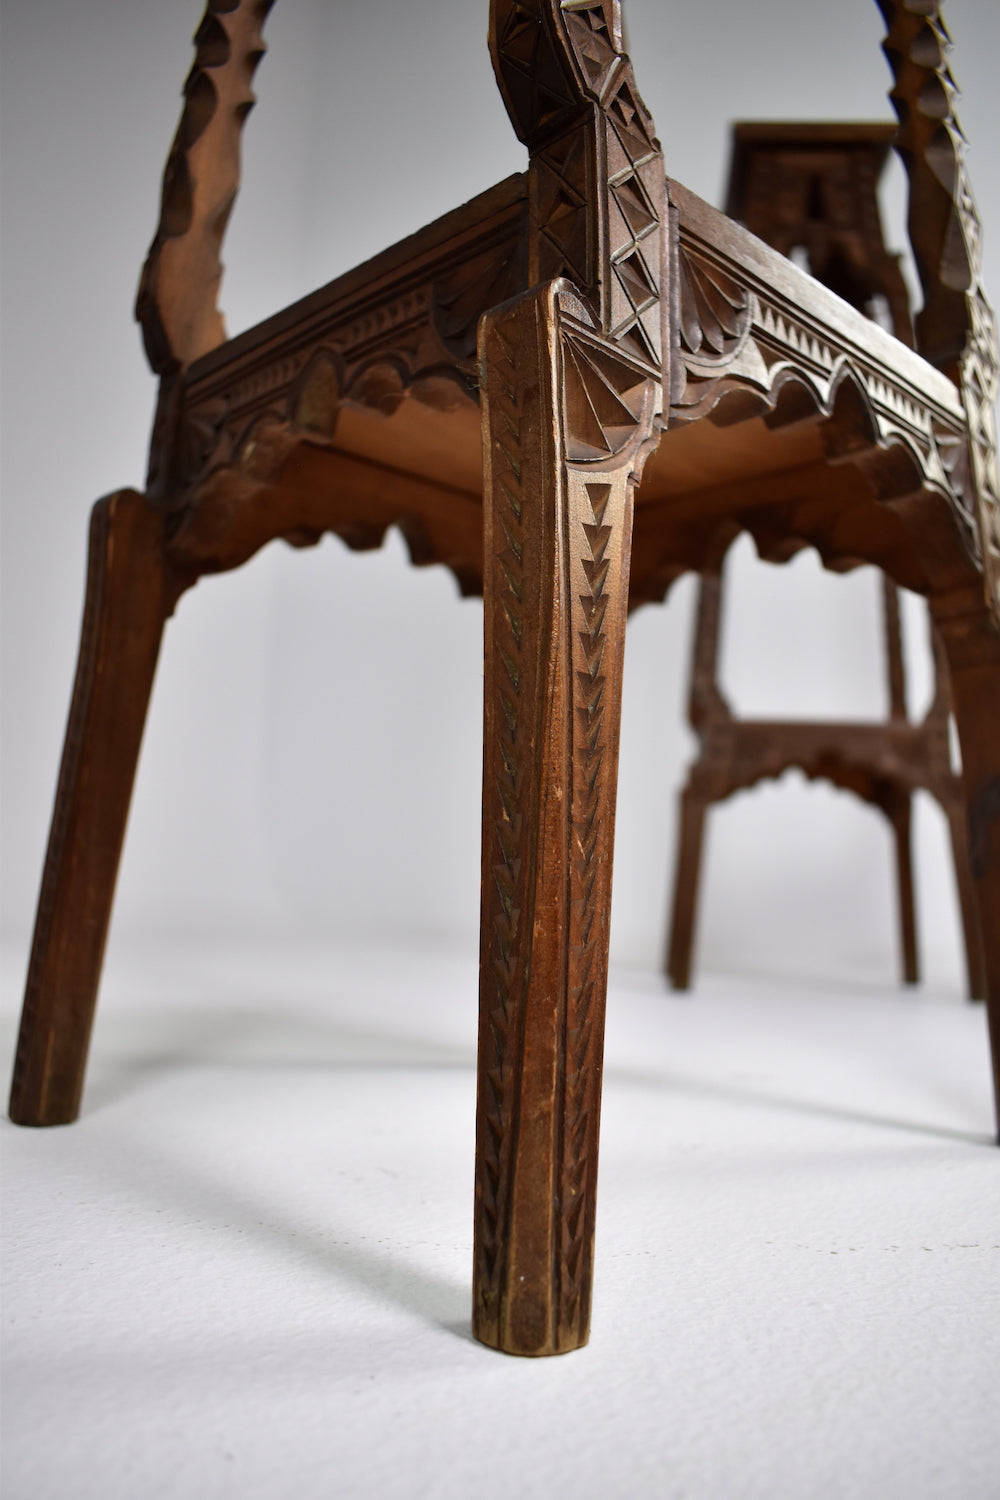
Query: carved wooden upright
point(635, 360)
point(571, 376)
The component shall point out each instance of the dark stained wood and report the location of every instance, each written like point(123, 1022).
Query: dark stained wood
point(130, 592)
point(812, 188)
point(572, 390)
point(956, 329)
point(615, 311)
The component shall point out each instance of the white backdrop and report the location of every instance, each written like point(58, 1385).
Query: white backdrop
point(311, 764)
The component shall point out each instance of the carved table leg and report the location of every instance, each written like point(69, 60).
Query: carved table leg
point(126, 605)
point(557, 545)
point(974, 962)
point(972, 642)
point(898, 806)
point(693, 807)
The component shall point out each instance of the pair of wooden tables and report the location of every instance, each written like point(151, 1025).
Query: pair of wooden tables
point(568, 390)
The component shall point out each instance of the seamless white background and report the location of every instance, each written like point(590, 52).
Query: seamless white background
point(312, 756)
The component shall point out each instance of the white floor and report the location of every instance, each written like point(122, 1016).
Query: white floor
point(245, 1271)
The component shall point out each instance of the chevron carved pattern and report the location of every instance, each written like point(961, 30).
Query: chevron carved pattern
point(595, 533)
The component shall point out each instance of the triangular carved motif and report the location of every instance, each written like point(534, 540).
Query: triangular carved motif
point(551, 183)
point(632, 201)
point(620, 234)
point(597, 68)
point(634, 338)
point(563, 161)
point(596, 572)
point(589, 35)
point(596, 16)
point(480, 283)
point(600, 415)
point(636, 147)
point(536, 89)
point(628, 385)
point(623, 107)
point(549, 106)
point(569, 251)
point(622, 311)
point(598, 538)
point(646, 335)
point(634, 276)
point(586, 435)
point(598, 495)
point(549, 77)
point(593, 653)
point(619, 162)
point(562, 209)
point(594, 611)
point(519, 41)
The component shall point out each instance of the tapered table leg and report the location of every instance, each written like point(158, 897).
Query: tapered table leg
point(127, 602)
point(974, 962)
point(557, 541)
point(972, 642)
point(899, 808)
point(687, 879)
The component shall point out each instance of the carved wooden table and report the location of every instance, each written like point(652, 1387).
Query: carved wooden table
point(626, 332)
point(811, 190)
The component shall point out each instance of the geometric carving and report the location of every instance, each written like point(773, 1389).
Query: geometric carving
point(596, 185)
point(483, 280)
point(557, 517)
point(561, 217)
point(604, 398)
point(595, 659)
point(535, 82)
point(596, 33)
point(272, 435)
point(714, 308)
point(956, 329)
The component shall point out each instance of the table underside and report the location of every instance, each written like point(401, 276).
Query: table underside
point(791, 416)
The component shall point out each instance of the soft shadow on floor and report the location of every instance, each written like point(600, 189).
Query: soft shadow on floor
point(733, 1093)
point(175, 1185)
